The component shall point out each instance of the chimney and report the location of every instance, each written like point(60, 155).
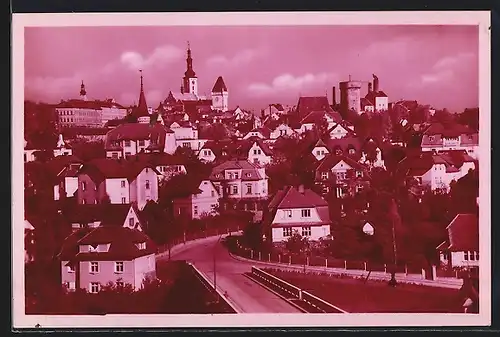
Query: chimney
point(375, 83)
point(334, 96)
point(300, 188)
point(369, 87)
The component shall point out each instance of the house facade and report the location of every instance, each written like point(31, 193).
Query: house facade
point(296, 209)
point(93, 258)
point(123, 182)
point(132, 138)
point(204, 201)
point(241, 184)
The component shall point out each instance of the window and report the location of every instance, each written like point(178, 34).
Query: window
point(324, 175)
point(71, 268)
point(119, 267)
point(341, 175)
point(94, 287)
point(84, 185)
point(131, 222)
point(213, 193)
point(287, 231)
point(431, 138)
point(127, 143)
point(306, 231)
point(141, 245)
point(472, 256)
point(257, 151)
point(195, 210)
point(288, 213)
point(94, 267)
point(249, 189)
point(186, 144)
point(466, 256)
point(71, 285)
point(206, 153)
point(147, 184)
point(235, 189)
point(124, 200)
point(318, 152)
point(123, 183)
point(147, 169)
point(359, 174)
point(306, 213)
point(141, 143)
point(477, 256)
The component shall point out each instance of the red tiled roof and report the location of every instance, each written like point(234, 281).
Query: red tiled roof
point(107, 214)
point(371, 96)
point(249, 171)
point(137, 131)
point(327, 163)
point(104, 168)
point(463, 233)
point(122, 244)
point(306, 105)
point(319, 116)
point(292, 198)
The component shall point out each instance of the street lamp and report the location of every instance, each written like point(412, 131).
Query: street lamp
point(215, 267)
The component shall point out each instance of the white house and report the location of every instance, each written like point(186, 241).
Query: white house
point(262, 133)
point(67, 181)
point(462, 247)
point(93, 257)
point(437, 138)
point(203, 200)
point(132, 138)
point(437, 171)
point(340, 130)
point(299, 210)
point(282, 130)
point(122, 182)
point(258, 152)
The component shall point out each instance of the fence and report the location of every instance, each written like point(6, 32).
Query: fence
point(317, 261)
point(294, 291)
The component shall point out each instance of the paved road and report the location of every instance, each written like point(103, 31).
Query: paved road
point(245, 295)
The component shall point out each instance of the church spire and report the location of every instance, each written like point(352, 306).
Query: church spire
point(142, 108)
point(83, 92)
point(189, 64)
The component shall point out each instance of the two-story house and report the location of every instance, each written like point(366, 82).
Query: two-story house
point(436, 171)
point(282, 130)
point(341, 130)
point(241, 184)
point(186, 135)
point(262, 133)
point(462, 247)
point(94, 257)
point(201, 198)
point(296, 209)
point(348, 146)
point(341, 175)
point(132, 138)
point(255, 151)
point(122, 182)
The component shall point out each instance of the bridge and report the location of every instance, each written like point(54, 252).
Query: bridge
point(243, 294)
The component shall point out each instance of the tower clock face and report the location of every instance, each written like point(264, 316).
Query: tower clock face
point(216, 99)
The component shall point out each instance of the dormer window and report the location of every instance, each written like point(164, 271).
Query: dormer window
point(93, 248)
point(248, 175)
point(217, 175)
point(431, 138)
point(352, 151)
point(141, 245)
point(70, 268)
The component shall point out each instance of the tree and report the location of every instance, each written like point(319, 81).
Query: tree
point(297, 244)
point(86, 150)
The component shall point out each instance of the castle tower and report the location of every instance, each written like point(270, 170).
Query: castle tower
point(350, 96)
point(190, 81)
point(220, 95)
point(83, 92)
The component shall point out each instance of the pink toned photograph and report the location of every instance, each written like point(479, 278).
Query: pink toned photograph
point(219, 170)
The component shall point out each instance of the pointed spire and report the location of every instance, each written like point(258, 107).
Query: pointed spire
point(142, 108)
point(189, 64)
point(83, 92)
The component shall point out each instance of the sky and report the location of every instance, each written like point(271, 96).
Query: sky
point(261, 65)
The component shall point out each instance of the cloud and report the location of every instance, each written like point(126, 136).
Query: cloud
point(160, 57)
point(243, 57)
point(292, 84)
point(446, 69)
point(51, 86)
point(154, 97)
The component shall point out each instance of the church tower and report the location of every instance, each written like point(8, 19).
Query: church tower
point(142, 111)
point(220, 95)
point(190, 81)
point(83, 92)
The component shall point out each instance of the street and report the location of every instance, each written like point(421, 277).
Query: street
point(245, 295)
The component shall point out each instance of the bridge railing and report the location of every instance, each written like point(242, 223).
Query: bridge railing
point(277, 283)
point(296, 292)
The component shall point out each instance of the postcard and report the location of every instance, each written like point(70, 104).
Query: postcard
point(313, 169)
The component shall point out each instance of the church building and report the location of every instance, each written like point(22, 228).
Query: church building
point(189, 100)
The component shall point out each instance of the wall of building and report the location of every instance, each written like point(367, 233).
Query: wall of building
point(138, 191)
point(257, 155)
point(90, 193)
point(116, 192)
point(144, 266)
point(458, 260)
point(317, 232)
point(107, 273)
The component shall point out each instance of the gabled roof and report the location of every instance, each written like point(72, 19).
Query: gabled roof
point(418, 164)
point(315, 117)
point(245, 145)
point(249, 171)
point(104, 168)
point(137, 131)
point(365, 102)
point(291, 197)
point(123, 244)
point(463, 233)
point(371, 96)
point(306, 105)
point(327, 163)
point(219, 85)
point(107, 214)
point(264, 131)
